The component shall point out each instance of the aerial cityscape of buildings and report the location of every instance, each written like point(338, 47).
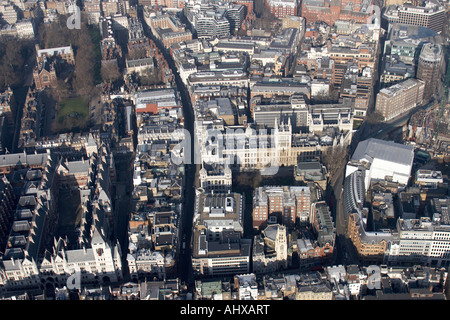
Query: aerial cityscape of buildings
point(224, 150)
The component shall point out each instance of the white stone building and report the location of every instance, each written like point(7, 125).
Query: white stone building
point(215, 179)
point(218, 247)
point(25, 29)
point(382, 160)
point(248, 287)
point(422, 241)
point(93, 259)
point(270, 251)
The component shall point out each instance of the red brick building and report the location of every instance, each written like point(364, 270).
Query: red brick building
point(282, 8)
point(287, 204)
point(331, 11)
point(248, 4)
point(44, 75)
point(49, 62)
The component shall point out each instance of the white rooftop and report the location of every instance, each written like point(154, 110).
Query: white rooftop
point(384, 150)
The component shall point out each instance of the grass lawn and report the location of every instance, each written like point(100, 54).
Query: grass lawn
point(71, 114)
point(72, 108)
point(357, 124)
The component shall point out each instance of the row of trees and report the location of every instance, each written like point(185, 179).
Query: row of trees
point(79, 80)
point(85, 43)
point(13, 58)
point(334, 159)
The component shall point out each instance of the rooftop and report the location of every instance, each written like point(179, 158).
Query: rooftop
point(386, 150)
point(431, 52)
point(400, 87)
point(217, 206)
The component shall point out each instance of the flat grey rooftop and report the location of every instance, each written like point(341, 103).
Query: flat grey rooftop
point(384, 150)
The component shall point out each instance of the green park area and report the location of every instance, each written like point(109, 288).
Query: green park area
point(71, 115)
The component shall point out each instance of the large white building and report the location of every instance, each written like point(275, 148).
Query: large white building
point(214, 19)
point(208, 19)
point(428, 178)
point(211, 25)
point(151, 101)
point(252, 148)
point(400, 98)
point(25, 29)
point(236, 78)
point(9, 13)
point(430, 15)
point(382, 160)
point(218, 247)
point(248, 287)
point(322, 117)
point(422, 241)
point(215, 178)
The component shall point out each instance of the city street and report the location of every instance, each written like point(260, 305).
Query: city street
point(344, 251)
point(184, 264)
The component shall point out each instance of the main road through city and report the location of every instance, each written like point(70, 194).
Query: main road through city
point(184, 265)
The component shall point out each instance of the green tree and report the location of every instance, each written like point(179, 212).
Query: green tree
point(83, 81)
point(62, 90)
point(110, 71)
point(85, 43)
point(13, 55)
point(374, 118)
point(151, 76)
